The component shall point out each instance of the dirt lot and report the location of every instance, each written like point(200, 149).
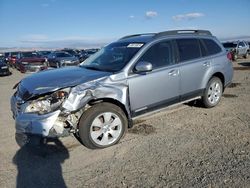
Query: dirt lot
point(183, 147)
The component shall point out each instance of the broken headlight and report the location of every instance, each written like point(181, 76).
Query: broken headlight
point(47, 103)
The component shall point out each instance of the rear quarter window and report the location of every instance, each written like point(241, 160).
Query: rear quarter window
point(211, 46)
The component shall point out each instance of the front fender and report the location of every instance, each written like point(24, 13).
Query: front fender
point(82, 94)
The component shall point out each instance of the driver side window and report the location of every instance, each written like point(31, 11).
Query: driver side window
point(159, 55)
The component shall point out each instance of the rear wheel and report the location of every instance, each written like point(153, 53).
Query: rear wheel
point(102, 125)
point(235, 57)
point(213, 92)
point(246, 55)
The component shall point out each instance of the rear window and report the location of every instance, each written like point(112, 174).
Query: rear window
point(229, 45)
point(30, 54)
point(188, 49)
point(242, 44)
point(212, 47)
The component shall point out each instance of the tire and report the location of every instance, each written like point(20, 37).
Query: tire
point(235, 57)
point(246, 55)
point(213, 93)
point(96, 126)
point(58, 65)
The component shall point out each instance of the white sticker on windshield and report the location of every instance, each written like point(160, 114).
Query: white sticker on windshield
point(135, 45)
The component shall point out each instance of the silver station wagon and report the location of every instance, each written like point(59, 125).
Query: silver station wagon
point(138, 74)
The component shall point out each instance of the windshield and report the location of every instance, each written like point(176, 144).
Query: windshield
point(30, 54)
point(70, 52)
point(229, 45)
point(90, 52)
point(113, 57)
point(44, 52)
point(63, 54)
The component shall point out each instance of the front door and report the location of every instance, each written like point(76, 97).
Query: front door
point(152, 90)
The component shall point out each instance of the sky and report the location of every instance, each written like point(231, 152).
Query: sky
point(59, 23)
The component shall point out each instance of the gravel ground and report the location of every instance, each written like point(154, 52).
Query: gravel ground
point(187, 146)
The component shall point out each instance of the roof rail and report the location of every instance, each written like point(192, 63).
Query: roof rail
point(176, 32)
point(136, 35)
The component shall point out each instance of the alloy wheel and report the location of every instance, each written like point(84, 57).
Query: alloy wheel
point(106, 128)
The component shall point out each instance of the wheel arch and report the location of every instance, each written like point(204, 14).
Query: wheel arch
point(218, 74)
point(115, 102)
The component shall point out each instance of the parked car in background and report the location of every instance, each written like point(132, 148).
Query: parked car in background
point(87, 53)
point(248, 47)
point(75, 52)
point(91, 51)
point(3, 57)
point(44, 54)
point(4, 67)
point(237, 49)
point(11, 58)
point(71, 51)
point(82, 55)
point(30, 62)
point(133, 76)
point(60, 58)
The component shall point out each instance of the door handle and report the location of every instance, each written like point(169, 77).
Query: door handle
point(206, 64)
point(174, 72)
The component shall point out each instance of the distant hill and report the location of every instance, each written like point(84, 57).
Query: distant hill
point(246, 38)
point(83, 44)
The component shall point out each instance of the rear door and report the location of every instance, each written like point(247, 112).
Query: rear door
point(160, 87)
point(193, 67)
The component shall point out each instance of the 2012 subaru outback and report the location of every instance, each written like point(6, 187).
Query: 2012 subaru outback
point(135, 75)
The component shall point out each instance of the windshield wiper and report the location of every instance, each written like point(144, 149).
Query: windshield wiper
point(92, 68)
point(97, 69)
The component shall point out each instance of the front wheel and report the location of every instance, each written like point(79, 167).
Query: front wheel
point(103, 125)
point(212, 93)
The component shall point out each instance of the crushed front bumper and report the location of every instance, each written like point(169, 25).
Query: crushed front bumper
point(31, 123)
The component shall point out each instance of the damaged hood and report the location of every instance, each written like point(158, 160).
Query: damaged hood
point(52, 80)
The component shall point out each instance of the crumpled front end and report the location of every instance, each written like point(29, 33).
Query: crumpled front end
point(100, 89)
point(45, 125)
point(57, 113)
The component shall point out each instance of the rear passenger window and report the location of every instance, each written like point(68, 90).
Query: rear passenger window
point(212, 47)
point(242, 44)
point(188, 49)
point(159, 55)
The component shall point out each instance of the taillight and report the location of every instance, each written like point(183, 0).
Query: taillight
point(229, 56)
